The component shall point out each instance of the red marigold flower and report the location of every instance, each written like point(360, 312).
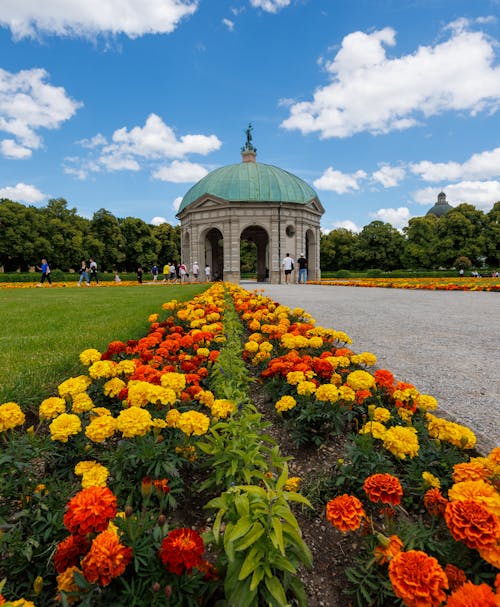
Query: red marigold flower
point(161, 486)
point(387, 548)
point(181, 550)
point(456, 577)
point(418, 579)
point(345, 512)
point(106, 560)
point(434, 502)
point(383, 488)
point(470, 595)
point(384, 379)
point(470, 522)
point(90, 510)
point(69, 551)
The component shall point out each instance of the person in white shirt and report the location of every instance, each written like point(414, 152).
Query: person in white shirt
point(196, 270)
point(288, 266)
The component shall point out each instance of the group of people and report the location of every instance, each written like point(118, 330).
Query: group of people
point(88, 272)
point(288, 266)
point(176, 273)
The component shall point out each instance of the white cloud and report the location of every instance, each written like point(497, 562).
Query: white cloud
point(370, 91)
point(396, 217)
point(93, 142)
point(76, 18)
point(338, 182)
point(347, 224)
point(270, 6)
point(27, 104)
point(389, 176)
point(156, 221)
point(482, 194)
point(180, 172)
point(483, 165)
point(22, 192)
point(177, 203)
point(229, 24)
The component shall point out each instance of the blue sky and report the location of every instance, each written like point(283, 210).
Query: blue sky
point(125, 104)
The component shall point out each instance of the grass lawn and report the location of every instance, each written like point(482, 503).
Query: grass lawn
point(42, 331)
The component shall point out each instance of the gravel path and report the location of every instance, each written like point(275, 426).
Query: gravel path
point(446, 343)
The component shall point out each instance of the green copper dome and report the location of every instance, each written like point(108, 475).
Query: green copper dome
point(441, 207)
point(251, 182)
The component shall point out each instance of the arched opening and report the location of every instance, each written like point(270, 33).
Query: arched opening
point(256, 245)
point(214, 253)
point(312, 256)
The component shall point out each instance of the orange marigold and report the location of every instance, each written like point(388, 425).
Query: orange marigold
point(181, 550)
point(90, 510)
point(470, 522)
point(387, 548)
point(418, 579)
point(383, 488)
point(456, 577)
point(478, 468)
point(69, 551)
point(434, 502)
point(345, 512)
point(106, 560)
point(470, 595)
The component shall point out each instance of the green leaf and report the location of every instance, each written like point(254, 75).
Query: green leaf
point(251, 562)
point(278, 533)
point(282, 478)
point(251, 537)
point(276, 589)
point(240, 529)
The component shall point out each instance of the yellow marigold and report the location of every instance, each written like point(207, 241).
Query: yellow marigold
point(173, 417)
point(364, 358)
point(64, 426)
point(161, 396)
point(133, 421)
point(405, 414)
point(93, 474)
point(205, 352)
point(101, 428)
point(292, 484)
point(113, 387)
point(99, 412)
point(494, 455)
point(125, 367)
point(476, 468)
point(66, 583)
point(306, 388)
point(294, 377)
point(401, 441)
point(376, 429)
point(260, 357)
point(74, 385)
point(51, 407)
point(138, 393)
point(425, 402)
point(158, 423)
point(192, 422)
point(341, 336)
point(285, 403)
point(252, 347)
point(152, 317)
point(266, 346)
point(360, 380)
point(380, 414)
point(11, 416)
point(347, 394)
point(430, 481)
point(315, 342)
point(205, 397)
point(81, 403)
point(407, 395)
point(339, 361)
point(478, 490)
point(20, 603)
point(170, 305)
point(336, 379)
point(451, 432)
point(174, 381)
point(102, 369)
point(258, 337)
point(90, 356)
point(222, 407)
point(327, 393)
point(492, 556)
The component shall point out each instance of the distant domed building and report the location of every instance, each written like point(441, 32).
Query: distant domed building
point(276, 210)
point(441, 207)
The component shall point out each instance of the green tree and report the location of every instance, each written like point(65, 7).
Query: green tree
point(110, 244)
point(170, 242)
point(20, 246)
point(492, 236)
point(461, 232)
point(421, 242)
point(141, 246)
point(379, 245)
point(336, 249)
point(248, 256)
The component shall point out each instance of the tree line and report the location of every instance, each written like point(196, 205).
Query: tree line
point(59, 234)
point(465, 235)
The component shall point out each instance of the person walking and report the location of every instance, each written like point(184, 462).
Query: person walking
point(196, 270)
point(173, 273)
point(288, 266)
point(183, 273)
point(140, 272)
point(208, 273)
point(93, 272)
point(155, 271)
point(166, 272)
point(302, 263)
point(45, 270)
point(84, 275)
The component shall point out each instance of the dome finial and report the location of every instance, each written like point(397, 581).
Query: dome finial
point(248, 151)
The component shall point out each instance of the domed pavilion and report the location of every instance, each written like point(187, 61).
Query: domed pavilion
point(252, 201)
point(441, 207)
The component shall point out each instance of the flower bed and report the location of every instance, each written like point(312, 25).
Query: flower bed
point(104, 493)
point(430, 284)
